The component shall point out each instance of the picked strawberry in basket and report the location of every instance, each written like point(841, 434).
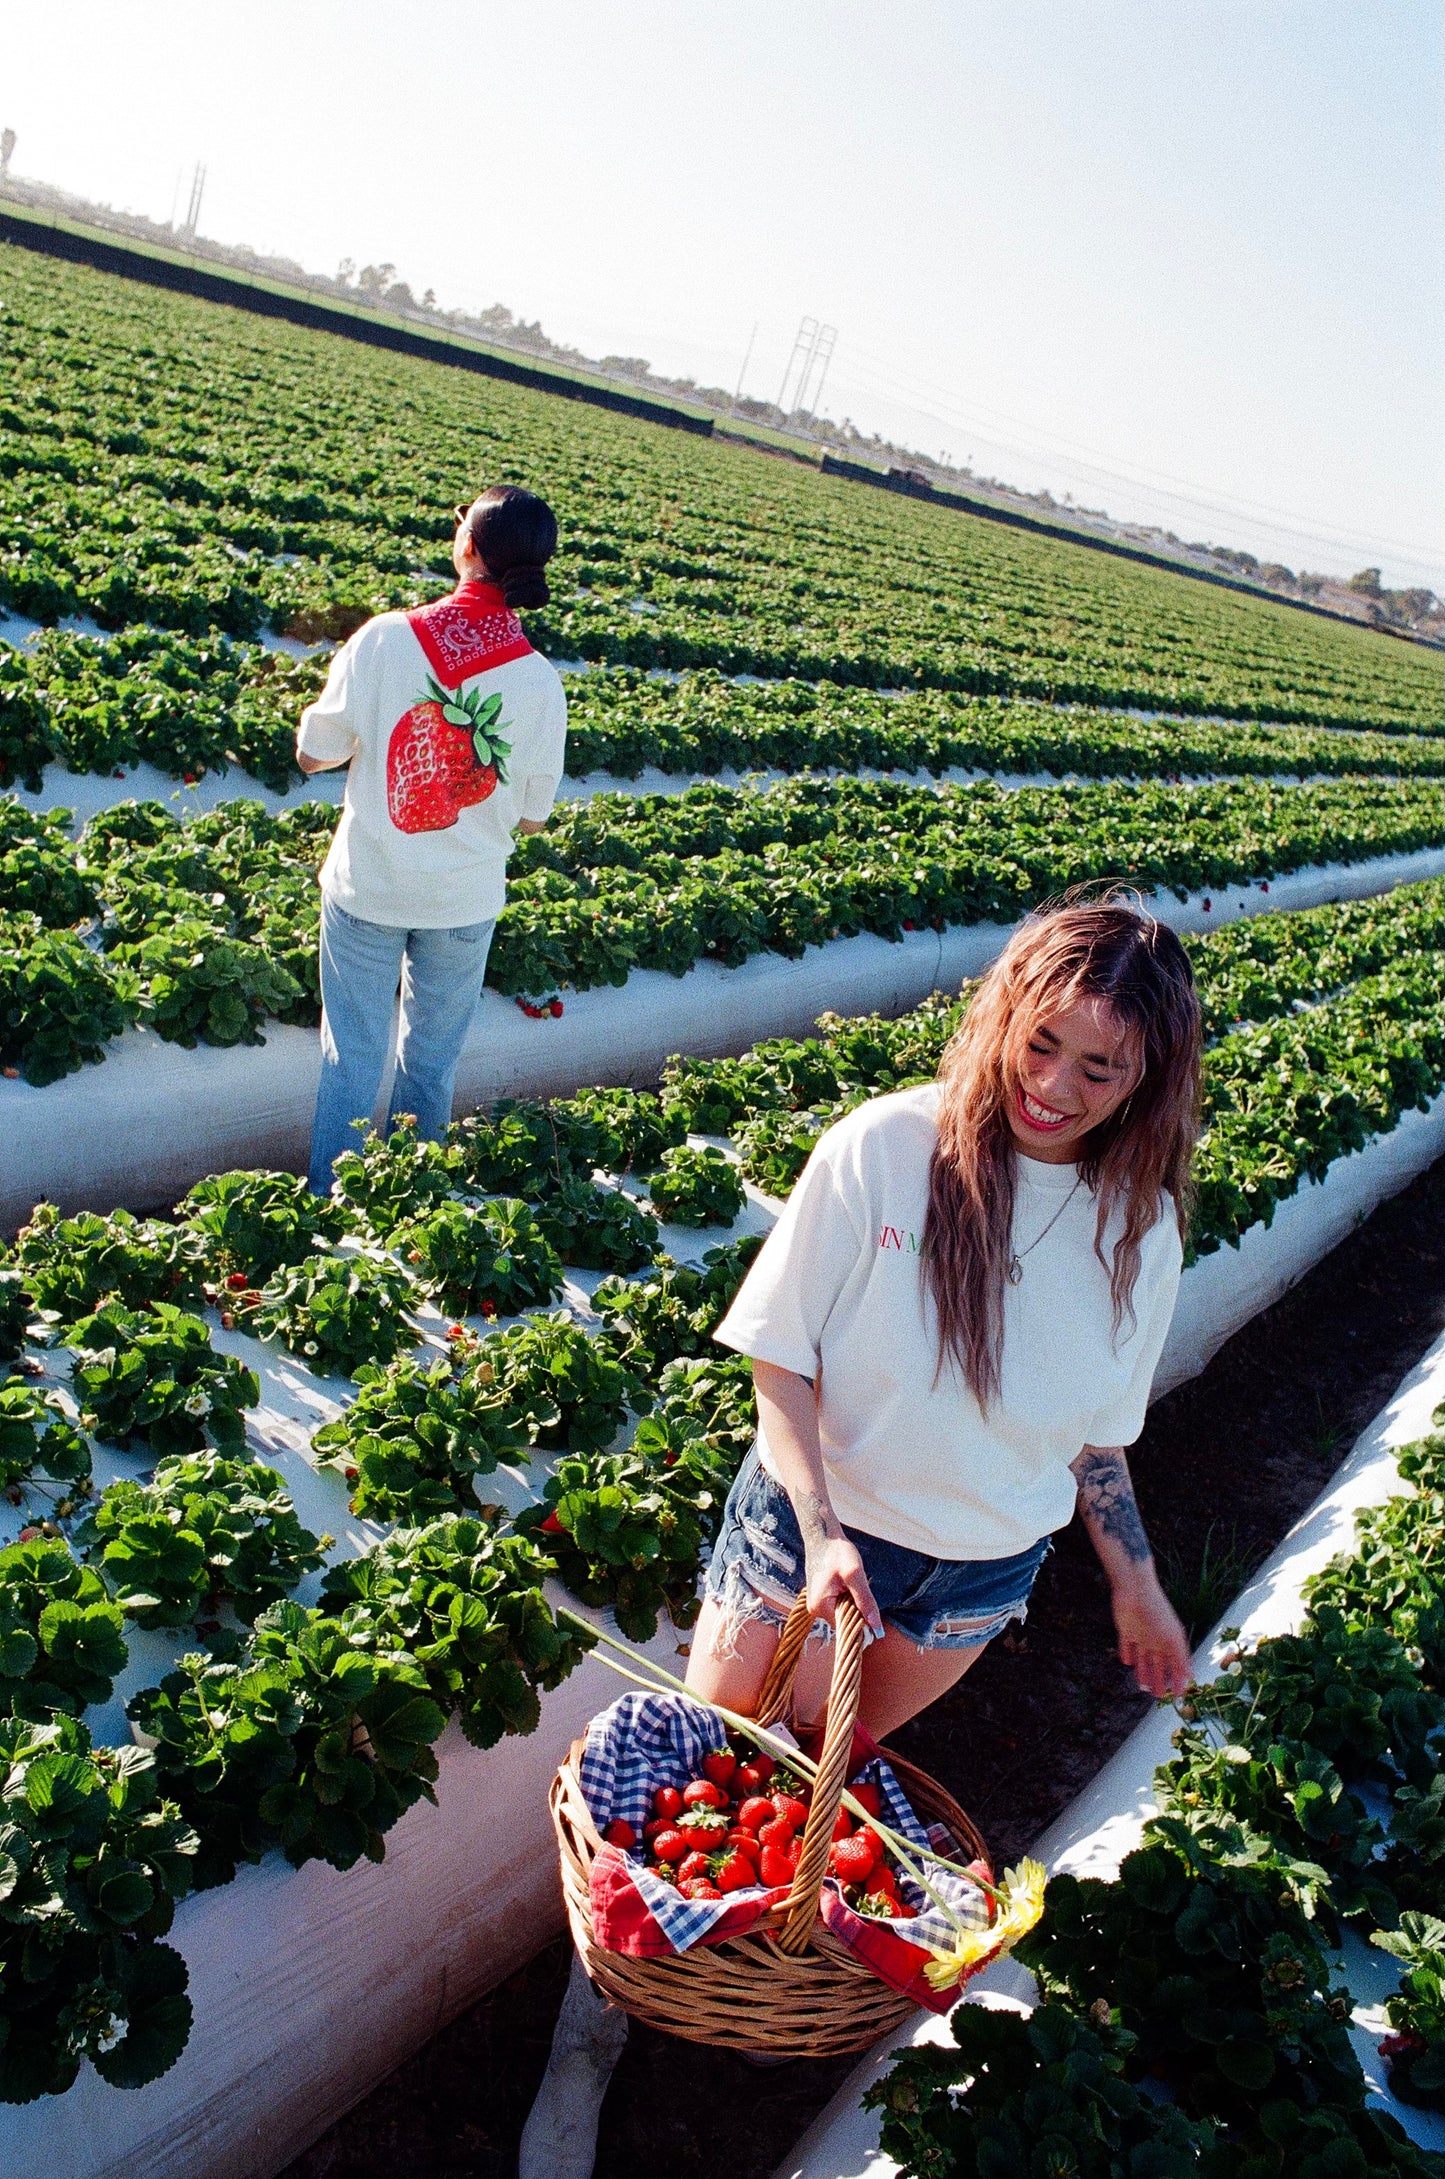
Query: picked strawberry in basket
point(725, 1887)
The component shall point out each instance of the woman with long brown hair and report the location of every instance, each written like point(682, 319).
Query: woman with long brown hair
point(955, 1324)
point(953, 1329)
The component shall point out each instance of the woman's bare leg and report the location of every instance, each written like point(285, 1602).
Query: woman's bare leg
point(730, 1667)
point(900, 1679)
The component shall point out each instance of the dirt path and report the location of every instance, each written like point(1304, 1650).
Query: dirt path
point(1225, 1465)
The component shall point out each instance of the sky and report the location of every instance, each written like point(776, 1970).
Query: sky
point(1175, 258)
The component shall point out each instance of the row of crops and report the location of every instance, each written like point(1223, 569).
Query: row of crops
point(166, 463)
point(202, 930)
point(421, 1301)
point(1192, 2023)
point(192, 705)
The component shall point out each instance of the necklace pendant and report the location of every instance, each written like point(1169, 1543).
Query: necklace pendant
point(1015, 1271)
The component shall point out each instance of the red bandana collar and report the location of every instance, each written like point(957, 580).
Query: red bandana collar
point(468, 632)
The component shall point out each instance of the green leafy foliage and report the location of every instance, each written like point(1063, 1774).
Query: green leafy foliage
point(60, 1003)
point(1203, 1950)
point(72, 1265)
point(61, 1638)
point(417, 1436)
point(627, 1533)
point(200, 986)
point(468, 1605)
point(337, 1312)
point(389, 1179)
point(674, 1309)
point(571, 1389)
point(596, 1228)
point(155, 1379)
point(295, 1739)
point(92, 1860)
point(259, 1223)
point(1047, 2095)
point(525, 1149)
point(36, 1434)
point(15, 1312)
point(493, 1257)
point(634, 1129)
point(204, 1529)
point(697, 1187)
point(1416, 2011)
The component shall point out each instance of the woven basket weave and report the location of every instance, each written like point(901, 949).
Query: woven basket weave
point(788, 1988)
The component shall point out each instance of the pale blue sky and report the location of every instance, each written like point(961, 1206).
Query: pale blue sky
point(1180, 258)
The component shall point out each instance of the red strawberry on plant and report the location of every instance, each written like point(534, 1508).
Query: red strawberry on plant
point(443, 756)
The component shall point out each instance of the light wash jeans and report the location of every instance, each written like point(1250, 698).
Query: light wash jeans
point(440, 973)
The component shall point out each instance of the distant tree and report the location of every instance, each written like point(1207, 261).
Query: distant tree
point(400, 294)
point(1278, 576)
point(1366, 583)
point(429, 300)
point(346, 271)
point(1311, 585)
point(374, 280)
point(7, 151)
point(628, 366)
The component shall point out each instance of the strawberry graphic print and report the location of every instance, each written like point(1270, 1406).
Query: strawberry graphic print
point(445, 755)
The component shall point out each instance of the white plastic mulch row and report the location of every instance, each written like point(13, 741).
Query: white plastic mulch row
point(310, 1985)
point(1104, 1824)
point(150, 1119)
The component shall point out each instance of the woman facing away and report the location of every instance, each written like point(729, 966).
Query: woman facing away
point(454, 729)
point(953, 1328)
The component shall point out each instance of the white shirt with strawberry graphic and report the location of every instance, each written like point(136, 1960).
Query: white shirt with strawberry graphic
point(455, 729)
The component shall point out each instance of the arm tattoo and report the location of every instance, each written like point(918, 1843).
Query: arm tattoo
point(1107, 1502)
point(817, 1522)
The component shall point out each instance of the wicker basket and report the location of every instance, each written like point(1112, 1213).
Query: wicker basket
point(788, 1988)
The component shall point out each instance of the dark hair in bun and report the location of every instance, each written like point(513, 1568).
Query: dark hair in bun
point(515, 532)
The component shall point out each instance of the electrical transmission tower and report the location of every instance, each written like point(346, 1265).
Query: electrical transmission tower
point(807, 367)
point(193, 209)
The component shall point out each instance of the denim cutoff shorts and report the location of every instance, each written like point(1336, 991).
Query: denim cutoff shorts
point(757, 1573)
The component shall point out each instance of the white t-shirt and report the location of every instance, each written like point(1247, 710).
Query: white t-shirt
point(836, 1295)
point(455, 728)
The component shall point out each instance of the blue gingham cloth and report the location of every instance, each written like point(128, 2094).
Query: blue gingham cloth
point(646, 1741)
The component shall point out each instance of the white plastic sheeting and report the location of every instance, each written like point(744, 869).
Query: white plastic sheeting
point(1092, 1837)
point(151, 1118)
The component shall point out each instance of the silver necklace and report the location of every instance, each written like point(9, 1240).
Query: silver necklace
point(1016, 1262)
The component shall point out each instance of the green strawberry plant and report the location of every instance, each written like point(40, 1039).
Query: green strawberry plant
point(204, 1530)
point(36, 1435)
point(626, 1533)
point(60, 1002)
point(489, 1257)
point(154, 1379)
point(72, 1265)
point(1415, 2050)
point(635, 1128)
point(62, 1640)
point(200, 986)
point(525, 1149)
point(337, 1312)
point(259, 1223)
point(93, 1861)
point(570, 1389)
point(673, 1309)
point(711, 1397)
point(1046, 2094)
point(596, 1228)
point(388, 1180)
point(292, 1738)
point(468, 1605)
point(697, 1187)
point(418, 1435)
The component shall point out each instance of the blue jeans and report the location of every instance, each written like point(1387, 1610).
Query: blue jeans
point(757, 1571)
point(440, 973)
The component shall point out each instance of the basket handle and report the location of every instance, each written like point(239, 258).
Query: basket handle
point(849, 1642)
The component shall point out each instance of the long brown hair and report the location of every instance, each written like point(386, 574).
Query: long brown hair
point(1105, 948)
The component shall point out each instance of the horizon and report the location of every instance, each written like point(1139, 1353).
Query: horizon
point(1301, 423)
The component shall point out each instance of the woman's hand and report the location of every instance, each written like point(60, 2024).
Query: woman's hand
point(835, 1569)
point(1152, 1640)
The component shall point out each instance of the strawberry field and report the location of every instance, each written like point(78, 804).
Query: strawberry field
point(486, 1366)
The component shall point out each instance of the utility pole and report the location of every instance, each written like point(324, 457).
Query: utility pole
point(7, 153)
point(742, 374)
point(821, 357)
point(193, 209)
point(812, 350)
point(802, 355)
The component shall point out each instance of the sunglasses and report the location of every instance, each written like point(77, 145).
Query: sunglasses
point(460, 513)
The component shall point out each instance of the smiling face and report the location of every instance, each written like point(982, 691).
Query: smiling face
point(1073, 1071)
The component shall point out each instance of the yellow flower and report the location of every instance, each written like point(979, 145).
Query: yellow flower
point(1020, 1903)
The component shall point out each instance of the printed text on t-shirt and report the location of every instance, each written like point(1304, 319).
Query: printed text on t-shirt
point(896, 1237)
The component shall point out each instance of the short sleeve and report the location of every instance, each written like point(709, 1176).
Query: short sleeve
point(1122, 1420)
point(539, 789)
point(787, 1297)
point(328, 730)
